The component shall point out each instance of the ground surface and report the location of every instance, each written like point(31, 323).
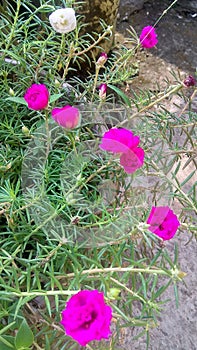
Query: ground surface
point(177, 49)
point(177, 39)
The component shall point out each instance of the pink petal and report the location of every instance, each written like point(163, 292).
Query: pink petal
point(132, 160)
point(119, 140)
point(87, 317)
point(148, 37)
point(163, 222)
point(37, 97)
point(68, 117)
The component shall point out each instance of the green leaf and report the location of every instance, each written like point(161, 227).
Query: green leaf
point(9, 326)
point(188, 178)
point(54, 97)
point(48, 305)
point(147, 339)
point(176, 295)
point(162, 289)
point(22, 301)
point(24, 337)
point(121, 94)
point(7, 342)
point(17, 100)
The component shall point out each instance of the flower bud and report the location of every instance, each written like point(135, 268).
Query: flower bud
point(181, 274)
point(102, 59)
point(25, 130)
point(142, 226)
point(11, 92)
point(113, 293)
point(102, 91)
point(189, 81)
point(57, 83)
point(8, 166)
point(70, 199)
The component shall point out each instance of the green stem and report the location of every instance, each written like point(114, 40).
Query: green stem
point(119, 269)
point(172, 91)
point(95, 81)
point(89, 272)
point(48, 138)
point(41, 293)
point(187, 199)
point(62, 48)
point(165, 12)
point(73, 141)
point(127, 289)
point(105, 166)
point(107, 32)
point(70, 56)
point(13, 29)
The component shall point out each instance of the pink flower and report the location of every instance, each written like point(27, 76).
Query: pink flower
point(119, 140)
point(163, 222)
point(37, 97)
point(102, 91)
point(68, 117)
point(102, 59)
point(132, 160)
point(124, 142)
point(189, 81)
point(87, 317)
point(148, 37)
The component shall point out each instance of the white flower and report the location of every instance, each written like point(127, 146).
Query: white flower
point(63, 20)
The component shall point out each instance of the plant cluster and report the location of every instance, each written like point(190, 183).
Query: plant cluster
point(89, 186)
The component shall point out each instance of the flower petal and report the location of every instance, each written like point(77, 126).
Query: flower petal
point(119, 140)
point(68, 117)
point(132, 160)
point(148, 37)
point(163, 222)
point(87, 317)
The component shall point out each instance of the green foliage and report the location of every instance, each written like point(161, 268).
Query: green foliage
point(70, 218)
point(24, 338)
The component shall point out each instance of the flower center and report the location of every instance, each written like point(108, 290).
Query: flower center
point(34, 97)
point(88, 319)
point(63, 20)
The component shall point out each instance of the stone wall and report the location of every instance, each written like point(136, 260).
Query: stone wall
point(129, 6)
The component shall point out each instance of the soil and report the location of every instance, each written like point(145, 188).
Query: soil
point(176, 50)
point(177, 39)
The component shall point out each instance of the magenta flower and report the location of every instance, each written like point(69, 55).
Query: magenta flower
point(148, 37)
point(102, 91)
point(102, 59)
point(132, 160)
point(189, 81)
point(87, 317)
point(68, 117)
point(37, 97)
point(124, 142)
point(119, 140)
point(163, 222)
